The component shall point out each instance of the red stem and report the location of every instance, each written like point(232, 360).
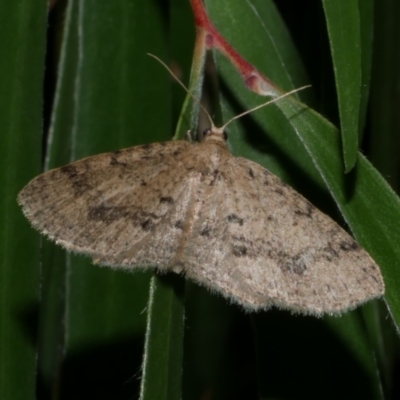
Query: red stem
point(253, 79)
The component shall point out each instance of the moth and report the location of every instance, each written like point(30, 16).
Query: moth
point(222, 221)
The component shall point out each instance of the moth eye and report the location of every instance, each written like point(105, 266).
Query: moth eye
point(225, 136)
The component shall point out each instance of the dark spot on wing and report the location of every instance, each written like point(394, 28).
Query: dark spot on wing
point(251, 174)
point(176, 152)
point(206, 231)
point(279, 191)
point(349, 245)
point(145, 219)
point(375, 278)
point(291, 264)
point(147, 225)
point(114, 159)
point(233, 218)
point(168, 200)
point(307, 212)
point(78, 181)
point(146, 151)
point(106, 214)
point(40, 180)
point(69, 170)
point(239, 250)
point(147, 146)
point(114, 162)
point(241, 238)
point(266, 176)
point(373, 267)
point(330, 253)
point(205, 173)
point(178, 224)
point(215, 176)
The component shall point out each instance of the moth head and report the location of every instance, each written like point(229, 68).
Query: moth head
point(213, 134)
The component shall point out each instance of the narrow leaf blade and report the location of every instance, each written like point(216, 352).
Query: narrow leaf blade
point(344, 30)
point(22, 53)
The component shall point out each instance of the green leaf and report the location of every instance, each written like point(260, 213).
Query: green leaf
point(181, 40)
point(367, 15)
point(384, 116)
point(343, 21)
point(22, 51)
point(163, 350)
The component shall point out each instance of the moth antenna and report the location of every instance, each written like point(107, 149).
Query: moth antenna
point(263, 105)
point(184, 87)
point(207, 113)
